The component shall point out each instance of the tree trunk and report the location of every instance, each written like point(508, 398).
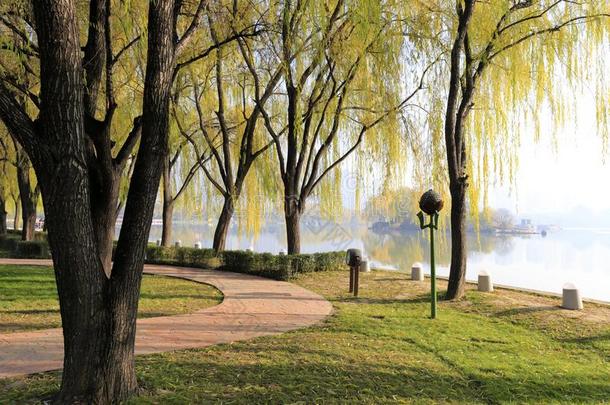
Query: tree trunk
point(293, 208)
point(222, 228)
point(293, 232)
point(98, 313)
point(3, 215)
point(104, 213)
point(29, 222)
point(168, 206)
point(139, 208)
point(27, 196)
point(455, 146)
point(168, 213)
point(61, 167)
point(457, 272)
point(17, 214)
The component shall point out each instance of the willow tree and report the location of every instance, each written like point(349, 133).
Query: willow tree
point(338, 62)
point(182, 165)
point(19, 73)
point(231, 133)
point(502, 56)
point(98, 307)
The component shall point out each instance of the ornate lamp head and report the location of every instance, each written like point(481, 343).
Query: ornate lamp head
point(431, 202)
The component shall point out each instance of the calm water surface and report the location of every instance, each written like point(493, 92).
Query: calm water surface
point(578, 256)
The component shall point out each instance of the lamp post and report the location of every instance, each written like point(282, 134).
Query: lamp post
point(431, 203)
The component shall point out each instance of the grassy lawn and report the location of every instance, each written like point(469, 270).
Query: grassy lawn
point(505, 347)
point(28, 298)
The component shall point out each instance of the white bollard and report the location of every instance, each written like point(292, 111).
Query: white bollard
point(485, 284)
point(417, 272)
point(198, 245)
point(571, 297)
point(365, 267)
point(178, 243)
point(158, 242)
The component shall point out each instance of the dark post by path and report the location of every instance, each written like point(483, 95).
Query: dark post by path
point(353, 260)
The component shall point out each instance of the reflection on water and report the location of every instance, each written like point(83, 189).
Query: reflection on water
point(546, 263)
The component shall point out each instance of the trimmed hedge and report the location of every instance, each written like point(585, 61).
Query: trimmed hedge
point(35, 249)
point(277, 267)
point(15, 247)
point(183, 256)
point(8, 242)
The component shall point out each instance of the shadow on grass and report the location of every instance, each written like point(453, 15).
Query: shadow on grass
point(30, 311)
point(327, 381)
point(150, 296)
point(603, 338)
point(527, 310)
point(366, 300)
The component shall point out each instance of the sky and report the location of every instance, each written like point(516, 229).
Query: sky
point(562, 180)
point(567, 185)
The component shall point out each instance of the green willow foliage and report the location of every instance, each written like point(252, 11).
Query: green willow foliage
point(536, 59)
point(537, 56)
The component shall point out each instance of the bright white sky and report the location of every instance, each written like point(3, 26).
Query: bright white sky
point(558, 181)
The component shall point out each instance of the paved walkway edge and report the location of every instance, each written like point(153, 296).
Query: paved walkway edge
point(252, 307)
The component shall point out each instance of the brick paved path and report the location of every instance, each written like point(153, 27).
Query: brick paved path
point(252, 307)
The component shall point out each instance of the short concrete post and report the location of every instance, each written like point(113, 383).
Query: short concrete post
point(485, 284)
point(364, 265)
point(158, 242)
point(198, 245)
point(178, 243)
point(571, 297)
point(417, 272)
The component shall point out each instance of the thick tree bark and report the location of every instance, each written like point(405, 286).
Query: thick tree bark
point(224, 222)
point(293, 232)
point(60, 163)
point(166, 232)
point(98, 313)
point(104, 212)
point(457, 273)
point(140, 205)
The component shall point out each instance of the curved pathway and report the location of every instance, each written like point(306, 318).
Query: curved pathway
point(252, 307)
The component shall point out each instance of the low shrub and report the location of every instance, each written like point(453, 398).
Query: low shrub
point(8, 242)
point(277, 267)
point(258, 264)
point(35, 249)
point(184, 256)
point(281, 267)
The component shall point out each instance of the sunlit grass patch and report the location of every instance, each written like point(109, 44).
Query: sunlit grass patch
point(28, 298)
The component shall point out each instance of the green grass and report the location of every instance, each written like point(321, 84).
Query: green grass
point(505, 347)
point(28, 298)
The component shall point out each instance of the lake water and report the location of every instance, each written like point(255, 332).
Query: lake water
point(578, 256)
